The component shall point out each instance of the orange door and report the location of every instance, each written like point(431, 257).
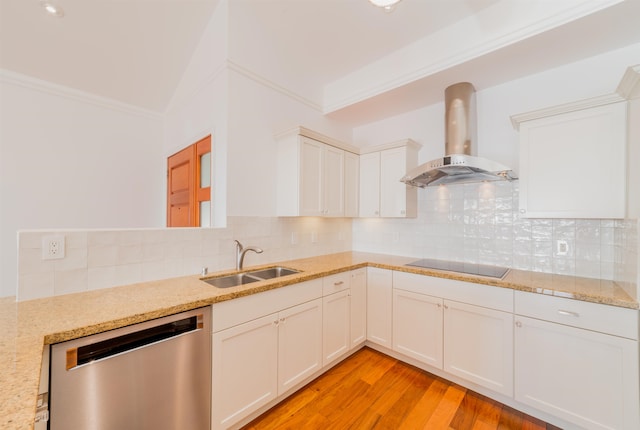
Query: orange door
point(185, 187)
point(180, 189)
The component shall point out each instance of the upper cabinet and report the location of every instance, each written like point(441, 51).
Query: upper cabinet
point(311, 175)
point(381, 192)
point(573, 160)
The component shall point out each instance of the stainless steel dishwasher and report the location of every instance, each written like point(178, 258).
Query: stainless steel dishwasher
point(149, 376)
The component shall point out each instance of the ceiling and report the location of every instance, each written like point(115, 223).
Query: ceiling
point(135, 51)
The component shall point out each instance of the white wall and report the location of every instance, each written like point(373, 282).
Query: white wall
point(256, 113)
point(199, 107)
point(71, 160)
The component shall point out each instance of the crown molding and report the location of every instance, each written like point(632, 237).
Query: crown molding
point(629, 86)
point(272, 85)
point(28, 82)
point(516, 120)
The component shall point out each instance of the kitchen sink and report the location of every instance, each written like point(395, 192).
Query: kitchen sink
point(248, 277)
point(273, 272)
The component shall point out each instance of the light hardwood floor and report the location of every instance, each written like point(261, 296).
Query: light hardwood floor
point(370, 390)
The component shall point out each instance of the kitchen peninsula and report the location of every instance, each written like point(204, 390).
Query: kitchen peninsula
point(27, 327)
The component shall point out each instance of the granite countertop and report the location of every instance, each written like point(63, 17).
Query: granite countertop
point(27, 327)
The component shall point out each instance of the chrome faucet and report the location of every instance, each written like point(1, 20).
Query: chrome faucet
point(241, 251)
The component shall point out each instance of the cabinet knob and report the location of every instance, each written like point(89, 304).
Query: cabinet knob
point(403, 212)
point(439, 305)
point(446, 307)
point(522, 211)
point(377, 212)
point(275, 322)
point(518, 324)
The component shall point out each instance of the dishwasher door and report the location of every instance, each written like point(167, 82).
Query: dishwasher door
point(149, 376)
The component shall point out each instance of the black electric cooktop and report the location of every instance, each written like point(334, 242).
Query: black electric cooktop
point(460, 267)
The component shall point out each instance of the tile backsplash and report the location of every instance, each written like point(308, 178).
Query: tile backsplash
point(105, 258)
point(475, 223)
point(480, 223)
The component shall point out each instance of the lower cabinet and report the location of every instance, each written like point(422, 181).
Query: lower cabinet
point(478, 345)
point(379, 306)
point(471, 342)
point(418, 326)
point(245, 369)
point(358, 307)
point(336, 327)
point(586, 377)
point(256, 361)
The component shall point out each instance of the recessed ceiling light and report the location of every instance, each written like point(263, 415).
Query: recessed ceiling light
point(387, 5)
point(52, 9)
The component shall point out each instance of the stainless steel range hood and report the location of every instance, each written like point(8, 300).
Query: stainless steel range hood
point(461, 163)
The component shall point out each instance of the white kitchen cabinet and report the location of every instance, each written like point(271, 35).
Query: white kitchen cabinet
point(245, 369)
point(462, 328)
point(381, 192)
point(418, 326)
point(311, 175)
point(573, 160)
point(370, 185)
point(351, 184)
point(333, 184)
point(263, 345)
point(379, 306)
point(299, 343)
point(358, 307)
point(336, 325)
point(478, 345)
point(572, 360)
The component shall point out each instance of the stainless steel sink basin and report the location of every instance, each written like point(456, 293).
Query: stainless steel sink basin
point(273, 272)
point(248, 277)
point(231, 280)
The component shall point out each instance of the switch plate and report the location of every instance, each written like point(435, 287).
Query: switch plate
point(53, 247)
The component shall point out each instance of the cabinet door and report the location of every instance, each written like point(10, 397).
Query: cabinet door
point(333, 181)
point(379, 306)
point(336, 327)
point(311, 174)
point(358, 307)
point(299, 343)
point(478, 345)
point(393, 193)
point(351, 184)
point(245, 366)
point(572, 165)
point(417, 326)
point(584, 377)
point(370, 185)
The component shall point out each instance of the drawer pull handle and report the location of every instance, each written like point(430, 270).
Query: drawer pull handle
point(569, 313)
point(518, 324)
point(338, 283)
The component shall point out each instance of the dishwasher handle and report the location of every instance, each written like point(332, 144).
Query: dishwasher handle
point(120, 344)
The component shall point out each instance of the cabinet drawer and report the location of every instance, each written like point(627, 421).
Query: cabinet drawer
point(334, 283)
point(481, 295)
point(591, 316)
point(237, 311)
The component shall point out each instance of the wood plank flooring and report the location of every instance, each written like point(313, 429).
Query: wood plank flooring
point(370, 390)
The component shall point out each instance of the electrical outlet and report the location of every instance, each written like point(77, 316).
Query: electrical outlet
point(314, 237)
point(562, 247)
point(53, 247)
point(294, 238)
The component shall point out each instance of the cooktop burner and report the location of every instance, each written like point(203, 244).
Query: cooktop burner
point(460, 267)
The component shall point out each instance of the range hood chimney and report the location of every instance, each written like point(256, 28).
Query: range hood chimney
point(460, 164)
